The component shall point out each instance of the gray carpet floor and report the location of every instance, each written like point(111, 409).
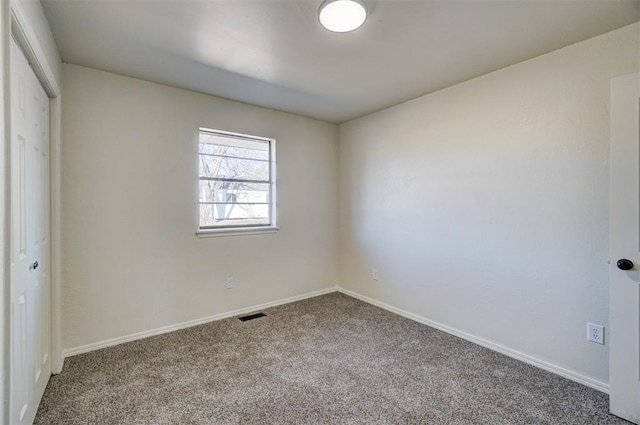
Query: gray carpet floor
point(326, 360)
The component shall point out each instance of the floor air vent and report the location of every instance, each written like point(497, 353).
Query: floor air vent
point(251, 317)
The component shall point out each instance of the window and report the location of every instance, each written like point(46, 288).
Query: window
point(237, 182)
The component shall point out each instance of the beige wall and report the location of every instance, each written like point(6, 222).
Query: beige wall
point(485, 206)
point(34, 13)
point(131, 260)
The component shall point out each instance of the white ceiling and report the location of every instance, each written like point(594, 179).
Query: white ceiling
point(274, 53)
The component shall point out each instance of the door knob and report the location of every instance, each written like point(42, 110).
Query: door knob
point(624, 264)
point(34, 265)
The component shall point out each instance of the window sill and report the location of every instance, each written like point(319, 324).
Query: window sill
point(215, 233)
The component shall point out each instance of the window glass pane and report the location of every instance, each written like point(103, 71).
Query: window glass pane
point(216, 166)
point(230, 215)
point(218, 144)
point(233, 192)
point(257, 154)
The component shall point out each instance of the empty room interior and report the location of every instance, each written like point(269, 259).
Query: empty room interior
point(320, 212)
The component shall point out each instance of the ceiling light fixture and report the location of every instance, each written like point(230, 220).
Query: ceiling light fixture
point(342, 15)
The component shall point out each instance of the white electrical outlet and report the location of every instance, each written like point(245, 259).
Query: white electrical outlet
point(228, 283)
point(595, 333)
point(375, 275)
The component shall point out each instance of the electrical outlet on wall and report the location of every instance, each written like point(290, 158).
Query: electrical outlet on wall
point(228, 283)
point(595, 333)
point(375, 275)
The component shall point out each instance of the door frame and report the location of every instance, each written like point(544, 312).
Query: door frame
point(15, 23)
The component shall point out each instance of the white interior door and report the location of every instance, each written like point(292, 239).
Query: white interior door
point(624, 293)
point(29, 323)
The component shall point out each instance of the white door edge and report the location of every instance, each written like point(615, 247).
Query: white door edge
point(624, 285)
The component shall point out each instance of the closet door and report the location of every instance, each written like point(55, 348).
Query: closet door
point(29, 321)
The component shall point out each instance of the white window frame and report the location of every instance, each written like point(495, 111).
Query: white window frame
point(251, 229)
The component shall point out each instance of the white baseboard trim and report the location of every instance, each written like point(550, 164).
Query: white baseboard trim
point(526, 358)
point(68, 352)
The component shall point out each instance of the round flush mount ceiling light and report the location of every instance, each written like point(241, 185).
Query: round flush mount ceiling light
point(342, 15)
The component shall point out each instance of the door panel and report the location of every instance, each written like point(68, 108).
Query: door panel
point(20, 390)
point(624, 290)
point(29, 327)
